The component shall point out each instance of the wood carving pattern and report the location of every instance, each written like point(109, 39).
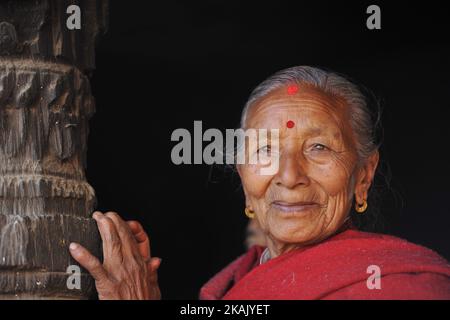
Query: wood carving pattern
point(45, 107)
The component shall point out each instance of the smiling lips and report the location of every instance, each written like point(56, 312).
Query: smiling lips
point(295, 207)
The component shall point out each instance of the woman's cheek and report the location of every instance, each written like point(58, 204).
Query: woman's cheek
point(333, 177)
point(255, 183)
point(256, 186)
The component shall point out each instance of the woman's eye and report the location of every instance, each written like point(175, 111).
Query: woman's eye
point(264, 150)
point(319, 147)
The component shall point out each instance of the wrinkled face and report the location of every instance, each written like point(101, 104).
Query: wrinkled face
point(310, 195)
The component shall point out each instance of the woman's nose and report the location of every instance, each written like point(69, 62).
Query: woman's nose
point(291, 172)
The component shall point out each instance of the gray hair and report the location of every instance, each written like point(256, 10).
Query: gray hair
point(362, 120)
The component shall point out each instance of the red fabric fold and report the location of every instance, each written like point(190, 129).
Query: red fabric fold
point(336, 269)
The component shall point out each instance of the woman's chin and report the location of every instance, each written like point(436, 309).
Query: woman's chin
point(293, 231)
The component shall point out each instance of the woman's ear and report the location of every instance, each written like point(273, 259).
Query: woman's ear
point(365, 176)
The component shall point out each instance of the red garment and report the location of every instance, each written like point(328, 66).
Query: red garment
point(336, 269)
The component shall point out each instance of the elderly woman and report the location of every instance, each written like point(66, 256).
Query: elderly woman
point(327, 161)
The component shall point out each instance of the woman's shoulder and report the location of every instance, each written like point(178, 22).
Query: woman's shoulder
point(346, 264)
point(384, 244)
point(405, 270)
point(341, 264)
point(389, 251)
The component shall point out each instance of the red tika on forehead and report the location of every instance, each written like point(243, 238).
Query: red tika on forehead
point(290, 124)
point(292, 89)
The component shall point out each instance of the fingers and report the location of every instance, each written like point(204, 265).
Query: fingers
point(125, 273)
point(129, 243)
point(88, 261)
point(121, 226)
point(122, 238)
point(142, 239)
point(138, 231)
point(112, 246)
point(153, 266)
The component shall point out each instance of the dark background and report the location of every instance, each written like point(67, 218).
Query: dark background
point(164, 64)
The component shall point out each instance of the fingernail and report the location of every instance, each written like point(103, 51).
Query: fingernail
point(96, 214)
point(73, 246)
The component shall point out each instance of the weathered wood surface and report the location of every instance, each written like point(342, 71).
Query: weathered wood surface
point(45, 106)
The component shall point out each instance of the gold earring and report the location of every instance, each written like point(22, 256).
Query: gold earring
point(360, 208)
point(249, 213)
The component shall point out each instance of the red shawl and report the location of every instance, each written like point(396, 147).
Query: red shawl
point(336, 269)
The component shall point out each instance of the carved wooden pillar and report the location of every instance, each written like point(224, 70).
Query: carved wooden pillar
point(45, 105)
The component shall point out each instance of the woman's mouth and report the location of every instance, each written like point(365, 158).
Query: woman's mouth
point(294, 207)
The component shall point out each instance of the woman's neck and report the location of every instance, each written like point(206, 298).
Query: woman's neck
point(277, 248)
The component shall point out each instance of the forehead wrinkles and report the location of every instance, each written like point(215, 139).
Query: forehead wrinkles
point(306, 93)
point(267, 110)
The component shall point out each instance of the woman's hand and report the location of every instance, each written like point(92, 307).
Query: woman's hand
point(128, 270)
